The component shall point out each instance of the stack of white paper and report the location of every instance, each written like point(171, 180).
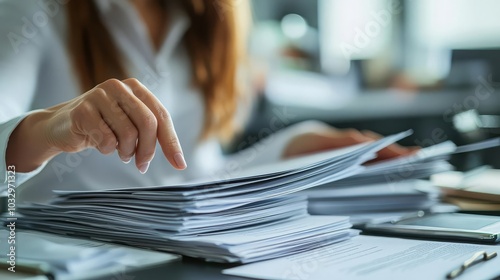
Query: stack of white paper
point(387, 190)
point(378, 201)
point(153, 217)
point(245, 218)
point(265, 241)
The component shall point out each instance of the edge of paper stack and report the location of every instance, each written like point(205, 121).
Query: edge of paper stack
point(253, 216)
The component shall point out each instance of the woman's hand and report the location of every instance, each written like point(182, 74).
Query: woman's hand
point(115, 115)
point(332, 138)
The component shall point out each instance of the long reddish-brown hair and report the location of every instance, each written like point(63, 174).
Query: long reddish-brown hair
point(214, 40)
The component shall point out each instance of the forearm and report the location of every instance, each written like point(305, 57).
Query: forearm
point(28, 147)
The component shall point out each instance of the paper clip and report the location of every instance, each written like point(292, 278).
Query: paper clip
point(476, 258)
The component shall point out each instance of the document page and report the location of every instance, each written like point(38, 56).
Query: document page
point(370, 257)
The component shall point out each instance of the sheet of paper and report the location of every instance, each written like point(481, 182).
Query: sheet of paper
point(267, 240)
point(408, 187)
point(486, 144)
point(396, 173)
point(376, 258)
point(267, 232)
point(178, 223)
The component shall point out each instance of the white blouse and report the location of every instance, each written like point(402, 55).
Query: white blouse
point(36, 72)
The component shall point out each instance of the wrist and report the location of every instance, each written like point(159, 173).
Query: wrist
point(28, 147)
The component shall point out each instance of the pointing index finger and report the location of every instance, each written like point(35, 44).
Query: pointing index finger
point(167, 136)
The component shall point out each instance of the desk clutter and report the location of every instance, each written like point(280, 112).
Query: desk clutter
point(475, 190)
point(255, 215)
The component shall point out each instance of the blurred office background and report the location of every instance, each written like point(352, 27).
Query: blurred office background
point(383, 65)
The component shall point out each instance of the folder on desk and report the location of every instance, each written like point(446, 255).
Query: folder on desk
point(483, 184)
point(477, 190)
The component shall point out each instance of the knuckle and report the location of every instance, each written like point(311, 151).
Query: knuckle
point(112, 82)
point(108, 140)
point(172, 142)
point(132, 81)
point(130, 133)
point(99, 91)
point(104, 134)
point(150, 122)
point(107, 145)
point(163, 113)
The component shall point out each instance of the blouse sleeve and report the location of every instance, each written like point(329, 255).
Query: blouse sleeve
point(22, 33)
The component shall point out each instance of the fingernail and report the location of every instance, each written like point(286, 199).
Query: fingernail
point(144, 167)
point(180, 161)
point(126, 161)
